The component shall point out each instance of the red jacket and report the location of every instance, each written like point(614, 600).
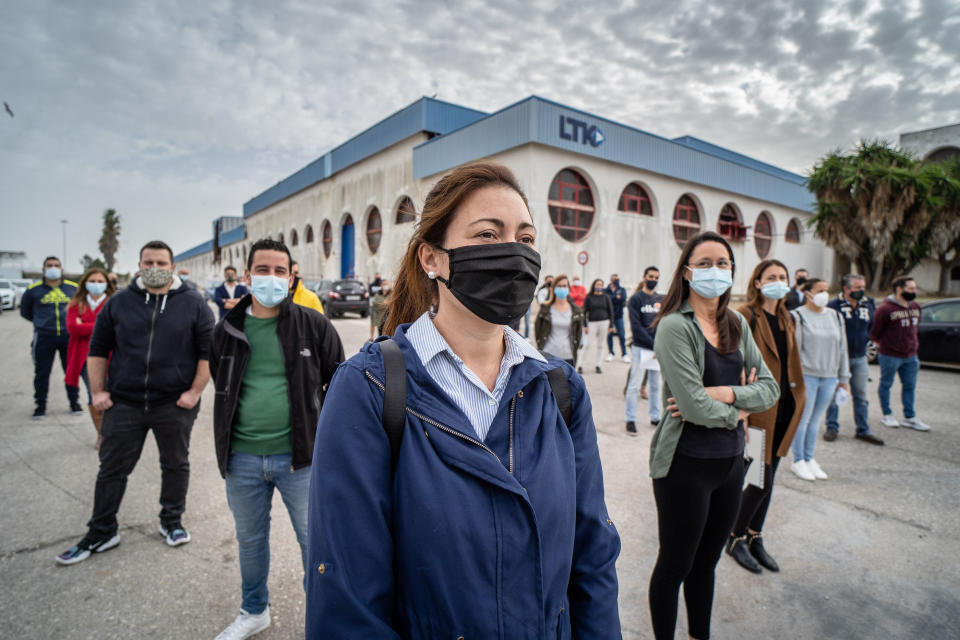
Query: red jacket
point(80, 328)
point(895, 328)
point(578, 293)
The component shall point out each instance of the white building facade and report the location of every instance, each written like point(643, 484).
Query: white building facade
point(625, 198)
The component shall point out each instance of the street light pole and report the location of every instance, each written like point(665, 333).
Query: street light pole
point(64, 223)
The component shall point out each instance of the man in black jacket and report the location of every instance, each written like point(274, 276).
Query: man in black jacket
point(795, 297)
point(643, 307)
point(271, 362)
point(156, 336)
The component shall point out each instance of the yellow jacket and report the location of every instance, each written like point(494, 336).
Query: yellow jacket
point(306, 298)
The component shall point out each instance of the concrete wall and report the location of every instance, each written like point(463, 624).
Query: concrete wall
point(924, 143)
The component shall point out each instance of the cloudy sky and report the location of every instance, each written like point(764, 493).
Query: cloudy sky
point(174, 113)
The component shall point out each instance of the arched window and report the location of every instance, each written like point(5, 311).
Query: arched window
point(943, 154)
point(634, 199)
point(793, 231)
point(686, 220)
point(327, 238)
point(406, 212)
point(374, 229)
point(763, 234)
point(728, 224)
point(280, 237)
point(294, 238)
point(571, 205)
point(308, 235)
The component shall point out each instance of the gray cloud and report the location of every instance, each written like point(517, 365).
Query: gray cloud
point(175, 112)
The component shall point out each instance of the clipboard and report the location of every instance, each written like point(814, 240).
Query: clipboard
point(755, 453)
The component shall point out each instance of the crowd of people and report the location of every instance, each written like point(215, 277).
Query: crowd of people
point(450, 440)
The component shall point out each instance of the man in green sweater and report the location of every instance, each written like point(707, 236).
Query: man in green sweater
point(271, 362)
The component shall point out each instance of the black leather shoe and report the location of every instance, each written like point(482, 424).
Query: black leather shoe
point(755, 544)
point(869, 437)
point(737, 548)
point(631, 428)
point(599, 370)
point(830, 435)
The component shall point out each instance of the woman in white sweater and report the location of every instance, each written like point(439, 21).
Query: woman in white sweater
point(822, 339)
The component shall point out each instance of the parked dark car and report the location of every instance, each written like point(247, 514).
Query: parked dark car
point(939, 334)
point(341, 296)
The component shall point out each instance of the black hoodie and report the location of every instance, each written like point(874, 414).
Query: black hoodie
point(153, 341)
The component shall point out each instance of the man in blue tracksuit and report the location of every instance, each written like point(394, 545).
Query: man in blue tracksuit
point(618, 296)
point(857, 311)
point(643, 308)
point(45, 305)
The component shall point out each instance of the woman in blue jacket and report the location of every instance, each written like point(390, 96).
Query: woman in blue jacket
point(492, 523)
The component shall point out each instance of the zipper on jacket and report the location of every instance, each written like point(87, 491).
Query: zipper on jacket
point(452, 432)
point(513, 404)
point(146, 376)
point(56, 310)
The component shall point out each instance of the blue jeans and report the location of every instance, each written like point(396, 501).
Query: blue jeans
point(859, 374)
point(819, 393)
point(907, 368)
point(633, 388)
point(250, 483)
point(617, 323)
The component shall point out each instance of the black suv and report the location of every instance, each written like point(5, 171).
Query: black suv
point(340, 296)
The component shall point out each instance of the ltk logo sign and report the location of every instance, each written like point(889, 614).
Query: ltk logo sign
point(580, 131)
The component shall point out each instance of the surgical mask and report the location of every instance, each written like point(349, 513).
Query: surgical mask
point(561, 292)
point(651, 284)
point(857, 295)
point(269, 290)
point(155, 277)
point(821, 299)
point(495, 282)
point(184, 277)
point(909, 295)
point(96, 288)
point(576, 283)
point(598, 291)
point(52, 273)
point(774, 290)
point(711, 283)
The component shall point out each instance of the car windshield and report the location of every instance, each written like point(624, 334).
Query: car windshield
point(350, 286)
point(5, 284)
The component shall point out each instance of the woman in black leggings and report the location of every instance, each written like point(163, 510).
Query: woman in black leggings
point(696, 457)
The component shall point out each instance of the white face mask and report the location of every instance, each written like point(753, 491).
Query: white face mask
point(821, 299)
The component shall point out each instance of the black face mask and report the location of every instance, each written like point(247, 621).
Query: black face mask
point(494, 281)
point(857, 295)
point(909, 295)
point(652, 284)
point(800, 281)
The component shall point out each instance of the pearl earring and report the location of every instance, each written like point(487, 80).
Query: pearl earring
point(431, 275)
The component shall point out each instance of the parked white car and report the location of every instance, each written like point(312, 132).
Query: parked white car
point(8, 295)
point(20, 286)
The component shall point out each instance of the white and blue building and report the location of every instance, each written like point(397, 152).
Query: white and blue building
point(624, 198)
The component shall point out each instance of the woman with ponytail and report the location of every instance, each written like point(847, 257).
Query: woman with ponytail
point(489, 521)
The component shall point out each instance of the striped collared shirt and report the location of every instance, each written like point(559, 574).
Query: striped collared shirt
point(456, 379)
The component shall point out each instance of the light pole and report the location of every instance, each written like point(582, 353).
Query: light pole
point(64, 223)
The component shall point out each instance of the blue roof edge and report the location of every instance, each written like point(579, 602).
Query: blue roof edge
point(734, 156)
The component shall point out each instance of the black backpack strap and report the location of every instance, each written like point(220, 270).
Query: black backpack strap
point(394, 396)
point(560, 387)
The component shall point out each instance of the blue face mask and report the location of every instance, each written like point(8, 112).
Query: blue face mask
point(711, 283)
point(774, 290)
point(96, 288)
point(561, 292)
point(269, 290)
point(52, 273)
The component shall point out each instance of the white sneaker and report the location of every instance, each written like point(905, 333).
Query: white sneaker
point(609, 357)
point(246, 625)
point(914, 423)
point(816, 470)
point(801, 470)
point(889, 421)
point(625, 358)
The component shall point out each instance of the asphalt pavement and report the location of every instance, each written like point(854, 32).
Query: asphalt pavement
point(870, 553)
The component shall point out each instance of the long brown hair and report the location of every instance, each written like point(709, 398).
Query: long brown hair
point(413, 292)
point(80, 297)
point(728, 323)
point(755, 298)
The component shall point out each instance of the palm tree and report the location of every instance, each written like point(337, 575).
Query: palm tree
point(110, 238)
point(871, 207)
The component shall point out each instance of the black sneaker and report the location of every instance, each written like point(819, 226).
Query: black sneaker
point(599, 370)
point(76, 409)
point(176, 535)
point(654, 423)
point(82, 550)
point(39, 412)
point(631, 428)
point(830, 435)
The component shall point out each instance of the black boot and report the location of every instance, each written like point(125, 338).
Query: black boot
point(631, 428)
point(755, 544)
point(737, 548)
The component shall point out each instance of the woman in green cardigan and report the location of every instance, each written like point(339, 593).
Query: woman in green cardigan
point(705, 350)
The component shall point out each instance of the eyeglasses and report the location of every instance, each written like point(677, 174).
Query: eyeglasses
point(706, 264)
